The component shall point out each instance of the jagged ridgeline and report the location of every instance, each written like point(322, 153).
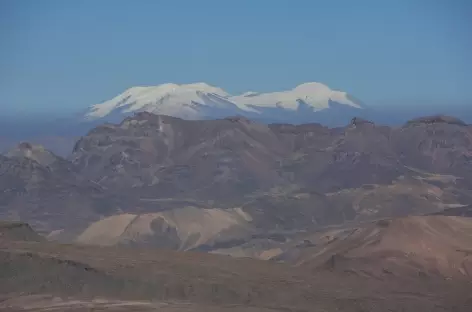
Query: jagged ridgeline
point(202, 184)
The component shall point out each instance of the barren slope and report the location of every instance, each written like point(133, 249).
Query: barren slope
point(109, 273)
point(431, 246)
point(184, 228)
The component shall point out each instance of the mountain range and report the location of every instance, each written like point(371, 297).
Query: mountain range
point(202, 101)
point(149, 178)
point(145, 212)
point(310, 102)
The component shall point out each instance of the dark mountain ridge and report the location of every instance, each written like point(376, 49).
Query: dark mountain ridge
point(283, 177)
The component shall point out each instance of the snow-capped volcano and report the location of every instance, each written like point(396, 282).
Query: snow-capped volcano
point(315, 95)
point(202, 101)
point(184, 101)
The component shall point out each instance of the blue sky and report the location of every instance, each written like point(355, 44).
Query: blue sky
point(62, 56)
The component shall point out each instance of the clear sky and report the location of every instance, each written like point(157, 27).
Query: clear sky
point(62, 56)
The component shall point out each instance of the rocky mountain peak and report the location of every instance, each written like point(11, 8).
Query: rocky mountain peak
point(436, 119)
point(357, 121)
point(34, 152)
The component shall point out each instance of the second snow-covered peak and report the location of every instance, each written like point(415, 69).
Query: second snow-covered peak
point(313, 94)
